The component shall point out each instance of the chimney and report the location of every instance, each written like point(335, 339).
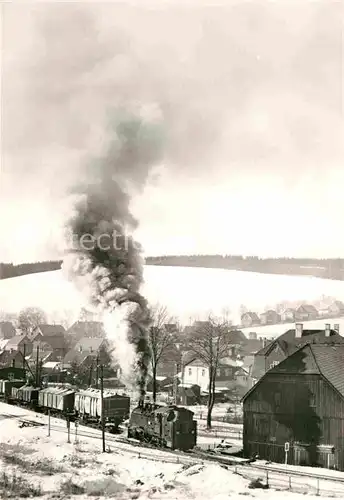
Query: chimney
point(298, 330)
point(252, 336)
point(327, 330)
point(336, 328)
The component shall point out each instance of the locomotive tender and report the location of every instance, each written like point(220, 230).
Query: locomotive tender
point(166, 426)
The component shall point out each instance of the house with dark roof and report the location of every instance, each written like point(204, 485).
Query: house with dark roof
point(19, 343)
point(89, 329)
point(286, 344)
point(336, 308)
point(301, 402)
point(306, 312)
point(270, 317)
point(87, 347)
point(11, 359)
point(249, 319)
point(7, 330)
point(288, 315)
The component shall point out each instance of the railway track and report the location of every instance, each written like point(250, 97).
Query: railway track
point(275, 476)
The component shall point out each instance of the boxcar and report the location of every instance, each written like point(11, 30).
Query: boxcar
point(7, 387)
point(167, 426)
point(87, 405)
point(57, 399)
point(27, 395)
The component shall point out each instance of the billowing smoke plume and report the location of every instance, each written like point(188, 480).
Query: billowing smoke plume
point(102, 257)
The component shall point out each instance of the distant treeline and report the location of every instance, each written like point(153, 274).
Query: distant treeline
point(322, 268)
point(12, 271)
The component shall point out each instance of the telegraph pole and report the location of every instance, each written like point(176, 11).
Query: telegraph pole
point(102, 405)
point(24, 355)
point(97, 371)
point(37, 367)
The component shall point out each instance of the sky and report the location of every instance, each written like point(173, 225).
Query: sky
point(251, 95)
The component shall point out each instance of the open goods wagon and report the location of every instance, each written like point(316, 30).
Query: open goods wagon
point(87, 406)
point(167, 426)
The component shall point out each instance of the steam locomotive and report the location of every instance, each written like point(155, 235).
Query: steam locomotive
point(165, 426)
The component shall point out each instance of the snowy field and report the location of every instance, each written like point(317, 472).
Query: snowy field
point(187, 292)
point(272, 331)
point(48, 467)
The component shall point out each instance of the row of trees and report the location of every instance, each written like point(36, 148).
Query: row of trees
point(208, 341)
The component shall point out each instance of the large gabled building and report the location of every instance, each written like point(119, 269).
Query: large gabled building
point(286, 344)
point(301, 402)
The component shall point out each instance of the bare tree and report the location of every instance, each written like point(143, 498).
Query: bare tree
point(161, 338)
point(209, 342)
point(29, 318)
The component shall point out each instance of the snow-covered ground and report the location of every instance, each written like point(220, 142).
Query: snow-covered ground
point(272, 331)
point(187, 292)
point(33, 463)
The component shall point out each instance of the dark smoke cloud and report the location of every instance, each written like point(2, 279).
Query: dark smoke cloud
point(245, 86)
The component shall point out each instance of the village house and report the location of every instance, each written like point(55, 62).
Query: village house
point(85, 349)
point(50, 339)
point(306, 312)
point(196, 372)
point(301, 402)
point(285, 345)
point(270, 317)
point(7, 330)
point(11, 359)
point(85, 329)
point(336, 308)
point(288, 315)
point(19, 343)
point(249, 319)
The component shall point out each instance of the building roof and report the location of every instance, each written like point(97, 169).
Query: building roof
point(326, 360)
point(15, 341)
point(289, 343)
point(6, 357)
point(76, 357)
point(308, 308)
point(250, 314)
point(251, 346)
point(236, 337)
point(82, 329)
point(55, 342)
point(89, 344)
point(3, 343)
point(7, 329)
point(338, 303)
point(51, 330)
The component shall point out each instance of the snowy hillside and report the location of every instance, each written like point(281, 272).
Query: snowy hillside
point(187, 292)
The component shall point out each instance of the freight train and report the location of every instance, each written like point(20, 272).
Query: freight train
point(170, 427)
point(166, 426)
point(66, 401)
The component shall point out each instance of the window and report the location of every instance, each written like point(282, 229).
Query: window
point(312, 400)
point(274, 363)
point(218, 372)
point(277, 399)
point(227, 372)
point(190, 371)
point(203, 373)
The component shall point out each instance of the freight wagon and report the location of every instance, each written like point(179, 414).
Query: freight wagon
point(88, 408)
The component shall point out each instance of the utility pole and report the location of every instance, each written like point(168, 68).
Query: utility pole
point(102, 405)
point(37, 366)
point(24, 355)
point(97, 371)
